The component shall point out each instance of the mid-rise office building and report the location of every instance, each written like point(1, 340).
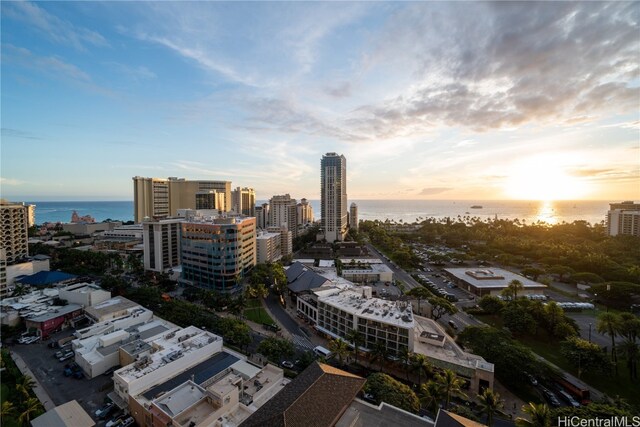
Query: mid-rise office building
point(262, 216)
point(353, 216)
point(304, 213)
point(333, 197)
point(268, 247)
point(244, 201)
point(15, 226)
point(162, 197)
point(161, 241)
point(282, 212)
point(218, 252)
point(623, 218)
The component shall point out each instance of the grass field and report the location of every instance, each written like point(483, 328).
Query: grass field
point(612, 385)
point(256, 313)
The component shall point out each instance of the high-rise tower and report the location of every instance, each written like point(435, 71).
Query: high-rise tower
point(353, 216)
point(333, 196)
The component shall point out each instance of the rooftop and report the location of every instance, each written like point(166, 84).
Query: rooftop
point(491, 277)
point(69, 414)
point(44, 278)
point(362, 414)
point(110, 306)
point(396, 313)
point(54, 311)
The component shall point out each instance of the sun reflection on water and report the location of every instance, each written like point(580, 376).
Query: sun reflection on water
point(546, 212)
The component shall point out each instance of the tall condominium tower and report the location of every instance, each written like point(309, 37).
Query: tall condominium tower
point(162, 197)
point(14, 234)
point(161, 244)
point(333, 196)
point(243, 201)
point(623, 218)
point(262, 215)
point(283, 212)
point(353, 216)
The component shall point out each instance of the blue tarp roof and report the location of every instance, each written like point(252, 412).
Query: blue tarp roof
point(44, 278)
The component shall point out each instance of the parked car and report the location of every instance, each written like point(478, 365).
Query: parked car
point(31, 340)
point(59, 354)
point(532, 380)
point(287, 364)
point(127, 422)
point(452, 324)
point(66, 356)
point(551, 398)
point(115, 421)
point(105, 410)
point(53, 344)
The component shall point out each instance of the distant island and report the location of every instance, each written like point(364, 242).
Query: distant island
point(476, 207)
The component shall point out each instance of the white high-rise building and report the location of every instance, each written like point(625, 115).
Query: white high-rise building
point(353, 216)
point(623, 218)
point(14, 234)
point(268, 247)
point(262, 216)
point(283, 212)
point(333, 196)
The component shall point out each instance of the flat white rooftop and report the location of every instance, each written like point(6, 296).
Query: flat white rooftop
point(396, 313)
point(491, 277)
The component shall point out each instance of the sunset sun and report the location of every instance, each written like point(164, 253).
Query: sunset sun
point(543, 178)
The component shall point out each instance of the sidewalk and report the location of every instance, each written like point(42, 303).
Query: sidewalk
point(39, 391)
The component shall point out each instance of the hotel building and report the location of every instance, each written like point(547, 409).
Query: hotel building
point(282, 213)
point(623, 218)
point(218, 251)
point(333, 196)
point(162, 197)
point(353, 216)
point(268, 247)
point(243, 201)
point(262, 216)
point(14, 235)
point(304, 213)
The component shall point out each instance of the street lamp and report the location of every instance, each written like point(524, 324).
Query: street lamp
point(589, 332)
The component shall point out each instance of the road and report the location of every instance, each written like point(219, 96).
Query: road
point(288, 323)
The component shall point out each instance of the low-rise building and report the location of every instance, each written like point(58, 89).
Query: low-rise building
point(69, 414)
point(54, 319)
point(367, 273)
point(30, 266)
point(113, 308)
point(89, 228)
point(84, 294)
point(491, 281)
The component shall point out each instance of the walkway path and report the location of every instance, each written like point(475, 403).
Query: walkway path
point(39, 391)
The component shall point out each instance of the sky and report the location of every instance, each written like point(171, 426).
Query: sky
point(431, 100)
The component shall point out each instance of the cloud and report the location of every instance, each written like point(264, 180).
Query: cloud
point(10, 181)
point(341, 90)
point(139, 72)
point(429, 191)
point(16, 133)
point(54, 28)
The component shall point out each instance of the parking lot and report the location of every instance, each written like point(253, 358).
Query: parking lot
point(90, 393)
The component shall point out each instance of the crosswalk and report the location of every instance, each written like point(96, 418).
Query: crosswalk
point(301, 342)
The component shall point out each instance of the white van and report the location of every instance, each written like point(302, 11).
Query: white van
point(322, 352)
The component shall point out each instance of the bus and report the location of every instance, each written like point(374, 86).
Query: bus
point(320, 351)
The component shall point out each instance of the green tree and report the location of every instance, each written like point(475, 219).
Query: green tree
point(532, 272)
point(512, 289)
point(539, 416)
point(610, 324)
point(430, 395)
point(420, 365)
point(451, 385)
point(518, 321)
point(631, 351)
point(385, 388)
point(276, 348)
point(24, 385)
point(419, 293)
point(379, 353)
point(356, 339)
point(490, 403)
point(32, 406)
point(339, 348)
point(440, 307)
point(8, 410)
point(405, 356)
point(585, 355)
point(491, 304)
point(554, 314)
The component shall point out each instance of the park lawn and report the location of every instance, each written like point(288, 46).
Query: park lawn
point(256, 313)
point(611, 385)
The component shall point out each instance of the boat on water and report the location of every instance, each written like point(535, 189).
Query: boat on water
point(476, 207)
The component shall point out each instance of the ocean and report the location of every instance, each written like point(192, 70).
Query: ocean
point(552, 212)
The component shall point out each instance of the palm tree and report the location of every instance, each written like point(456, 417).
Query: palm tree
point(451, 385)
point(421, 365)
point(632, 352)
point(8, 409)
point(24, 385)
point(405, 358)
point(490, 403)
point(340, 348)
point(513, 288)
point(609, 324)
point(379, 353)
point(540, 415)
point(430, 394)
point(356, 339)
point(31, 407)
